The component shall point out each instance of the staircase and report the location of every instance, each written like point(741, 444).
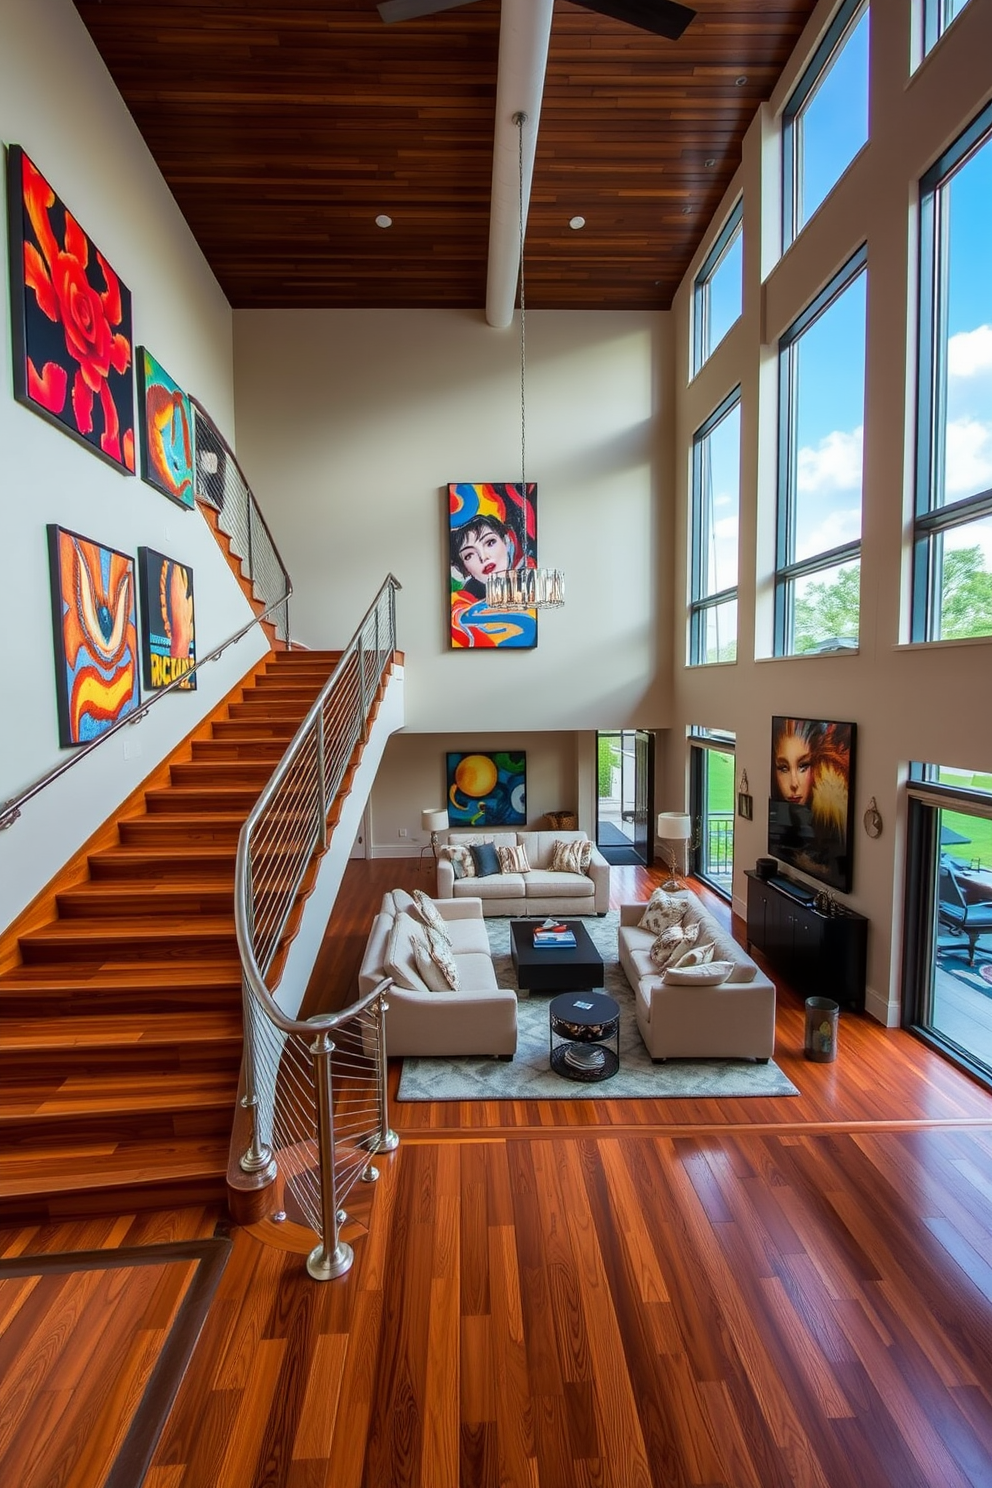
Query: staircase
point(120, 1031)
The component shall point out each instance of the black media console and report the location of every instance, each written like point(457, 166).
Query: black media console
point(819, 955)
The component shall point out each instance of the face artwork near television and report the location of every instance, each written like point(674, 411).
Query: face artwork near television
point(94, 616)
point(168, 633)
point(810, 812)
point(487, 790)
point(492, 528)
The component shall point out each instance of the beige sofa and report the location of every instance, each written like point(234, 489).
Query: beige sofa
point(480, 1018)
point(539, 892)
point(732, 1020)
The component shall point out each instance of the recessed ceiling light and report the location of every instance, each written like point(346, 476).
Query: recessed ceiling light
point(740, 81)
point(709, 164)
point(576, 222)
point(383, 221)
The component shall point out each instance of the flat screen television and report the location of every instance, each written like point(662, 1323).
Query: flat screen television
point(811, 807)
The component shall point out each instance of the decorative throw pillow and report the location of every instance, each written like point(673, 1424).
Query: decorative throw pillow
point(486, 859)
point(400, 962)
point(710, 974)
point(673, 940)
point(661, 911)
point(696, 957)
point(570, 857)
point(404, 903)
point(513, 859)
point(430, 972)
point(443, 957)
point(428, 912)
point(461, 860)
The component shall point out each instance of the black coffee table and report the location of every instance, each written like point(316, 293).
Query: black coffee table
point(554, 969)
point(583, 1023)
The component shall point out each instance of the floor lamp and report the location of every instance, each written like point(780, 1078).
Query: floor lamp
point(433, 822)
point(675, 826)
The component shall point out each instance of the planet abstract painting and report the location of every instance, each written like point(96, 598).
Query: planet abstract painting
point(71, 320)
point(487, 790)
point(94, 615)
point(167, 443)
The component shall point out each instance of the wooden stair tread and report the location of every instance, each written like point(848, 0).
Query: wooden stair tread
point(212, 859)
point(139, 976)
point(123, 1030)
point(111, 898)
point(126, 927)
point(101, 1165)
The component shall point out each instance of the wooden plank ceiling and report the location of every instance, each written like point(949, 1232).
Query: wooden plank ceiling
point(283, 129)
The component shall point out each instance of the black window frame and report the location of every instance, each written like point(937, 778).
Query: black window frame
point(700, 286)
point(787, 568)
point(847, 17)
point(935, 23)
point(700, 604)
point(932, 517)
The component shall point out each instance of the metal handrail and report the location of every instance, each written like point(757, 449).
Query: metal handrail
point(288, 1061)
point(10, 811)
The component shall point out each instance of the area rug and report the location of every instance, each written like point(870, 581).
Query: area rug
point(978, 977)
point(528, 1077)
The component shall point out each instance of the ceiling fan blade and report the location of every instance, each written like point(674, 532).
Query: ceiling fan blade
point(663, 17)
point(408, 10)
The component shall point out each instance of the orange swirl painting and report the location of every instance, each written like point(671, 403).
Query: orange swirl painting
point(167, 432)
point(94, 615)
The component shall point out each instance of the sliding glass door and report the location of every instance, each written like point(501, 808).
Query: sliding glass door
point(711, 805)
point(624, 789)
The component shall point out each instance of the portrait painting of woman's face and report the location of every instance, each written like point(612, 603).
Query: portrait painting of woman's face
point(492, 529)
point(810, 805)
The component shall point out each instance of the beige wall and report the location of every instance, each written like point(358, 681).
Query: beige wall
point(58, 102)
point(413, 778)
point(909, 702)
point(351, 424)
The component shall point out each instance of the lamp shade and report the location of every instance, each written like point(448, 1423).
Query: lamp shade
point(434, 821)
point(674, 826)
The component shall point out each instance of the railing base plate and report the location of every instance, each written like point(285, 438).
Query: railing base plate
point(324, 1267)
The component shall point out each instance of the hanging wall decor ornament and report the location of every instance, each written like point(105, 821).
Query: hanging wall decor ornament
point(525, 587)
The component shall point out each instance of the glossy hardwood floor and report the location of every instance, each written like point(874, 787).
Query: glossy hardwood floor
point(748, 1294)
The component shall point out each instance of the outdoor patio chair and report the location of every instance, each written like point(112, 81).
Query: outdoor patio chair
point(954, 911)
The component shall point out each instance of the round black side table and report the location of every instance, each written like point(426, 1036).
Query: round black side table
point(581, 1025)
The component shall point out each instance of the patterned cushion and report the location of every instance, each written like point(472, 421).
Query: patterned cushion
point(428, 969)
point(427, 910)
point(461, 860)
point(443, 957)
point(400, 962)
point(661, 911)
point(570, 857)
point(513, 859)
point(675, 940)
point(697, 957)
point(707, 975)
point(486, 859)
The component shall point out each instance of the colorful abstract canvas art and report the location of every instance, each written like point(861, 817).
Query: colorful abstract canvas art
point(168, 633)
point(491, 528)
point(487, 790)
point(167, 432)
point(71, 320)
point(94, 617)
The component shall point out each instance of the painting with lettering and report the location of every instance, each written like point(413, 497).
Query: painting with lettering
point(168, 633)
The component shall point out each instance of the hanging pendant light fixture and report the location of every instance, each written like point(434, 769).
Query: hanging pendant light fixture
point(524, 588)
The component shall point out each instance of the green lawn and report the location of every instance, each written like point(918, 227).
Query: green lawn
point(975, 828)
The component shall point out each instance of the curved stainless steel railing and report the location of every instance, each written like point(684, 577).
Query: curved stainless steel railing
point(315, 1090)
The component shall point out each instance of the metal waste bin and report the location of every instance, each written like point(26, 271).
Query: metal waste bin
point(822, 1015)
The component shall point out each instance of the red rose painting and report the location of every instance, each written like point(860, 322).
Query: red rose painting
point(73, 354)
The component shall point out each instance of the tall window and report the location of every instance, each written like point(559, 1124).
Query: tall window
point(952, 572)
point(718, 291)
point(716, 480)
point(825, 122)
point(937, 16)
point(821, 419)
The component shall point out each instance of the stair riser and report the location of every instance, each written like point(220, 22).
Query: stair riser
point(158, 1193)
point(241, 728)
point(163, 869)
point(188, 802)
point(60, 1063)
point(169, 903)
point(101, 949)
point(203, 774)
point(126, 1126)
point(270, 751)
point(66, 1004)
point(261, 712)
point(158, 831)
